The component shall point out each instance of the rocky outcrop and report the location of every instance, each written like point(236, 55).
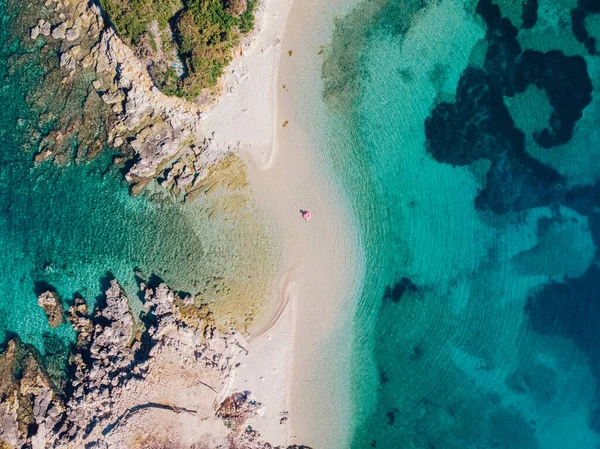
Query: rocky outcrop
point(81, 322)
point(52, 305)
point(30, 406)
point(237, 408)
point(105, 360)
point(156, 129)
point(159, 126)
point(114, 360)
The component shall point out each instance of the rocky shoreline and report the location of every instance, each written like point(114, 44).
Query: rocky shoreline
point(159, 137)
point(125, 379)
point(161, 378)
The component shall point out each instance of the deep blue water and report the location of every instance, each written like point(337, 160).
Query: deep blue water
point(476, 123)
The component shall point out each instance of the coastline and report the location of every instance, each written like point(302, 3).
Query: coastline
point(326, 255)
point(295, 369)
point(296, 360)
point(242, 119)
point(321, 261)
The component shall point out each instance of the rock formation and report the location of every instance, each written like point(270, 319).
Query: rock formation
point(106, 362)
point(30, 405)
point(117, 369)
point(156, 131)
point(52, 305)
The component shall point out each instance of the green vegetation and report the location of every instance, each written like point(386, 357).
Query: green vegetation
point(131, 18)
point(204, 34)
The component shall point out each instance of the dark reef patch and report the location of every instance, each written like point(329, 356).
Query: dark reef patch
point(396, 292)
point(578, 15)
point(571, 309)
point(514, 186)
point(566, 82)
point(510, 70)
point(478, 124)
point(391, 416)
point(383, 377)
point(529, 14)
point(417, 353)
point(586, 201)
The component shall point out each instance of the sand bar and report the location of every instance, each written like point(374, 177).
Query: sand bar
point(321, 261)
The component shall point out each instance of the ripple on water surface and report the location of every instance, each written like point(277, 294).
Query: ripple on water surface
point(479, 147)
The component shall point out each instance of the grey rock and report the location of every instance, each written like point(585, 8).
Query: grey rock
point(52, 305)
point(73, 34)
point(60, 31)
point(67, 61)
point(35, 32)
point(44, 27)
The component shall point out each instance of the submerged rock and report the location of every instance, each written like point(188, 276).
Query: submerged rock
point(396, 292)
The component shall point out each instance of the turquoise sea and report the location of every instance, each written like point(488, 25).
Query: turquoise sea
point(471, 156)
point(73, 227)
point(472, 149)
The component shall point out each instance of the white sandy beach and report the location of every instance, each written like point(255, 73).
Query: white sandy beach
point(299, 359)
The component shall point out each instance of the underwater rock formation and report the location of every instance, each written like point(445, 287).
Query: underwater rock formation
point(396, 292)
point(478, 124)
point(579, 14)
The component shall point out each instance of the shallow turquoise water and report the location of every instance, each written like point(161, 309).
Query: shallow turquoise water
point(71, 228)
point(476, 125)
point(471, 143)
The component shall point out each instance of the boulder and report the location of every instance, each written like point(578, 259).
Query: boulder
point(60, 31)
point(52, 305)
point(81, 322)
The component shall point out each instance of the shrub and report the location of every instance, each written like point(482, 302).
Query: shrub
point(205, 33)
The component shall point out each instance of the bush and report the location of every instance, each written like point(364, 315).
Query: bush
point(205, 34)
point(247, 17)
point(132, 17)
